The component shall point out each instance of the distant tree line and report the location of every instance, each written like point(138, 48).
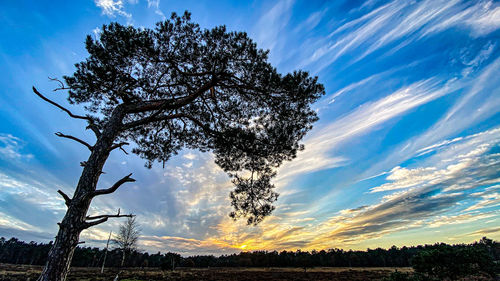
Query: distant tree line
point(15, 251)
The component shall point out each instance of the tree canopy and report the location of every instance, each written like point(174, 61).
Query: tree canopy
point(180, 86)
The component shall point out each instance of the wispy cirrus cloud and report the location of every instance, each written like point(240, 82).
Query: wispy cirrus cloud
point(11, 148)
point(268, 31)
point(399, 23)
point(360, 121)
point(11, 222)
point(155, 4)
point(427, 200)
point(112, 8)
point(479, 101)
point(430, 191)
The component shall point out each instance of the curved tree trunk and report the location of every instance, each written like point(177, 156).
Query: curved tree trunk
point(73, 223)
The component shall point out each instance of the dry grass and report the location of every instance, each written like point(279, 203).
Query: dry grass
point(26, 272)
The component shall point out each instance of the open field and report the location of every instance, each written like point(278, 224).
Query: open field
point(25, 272)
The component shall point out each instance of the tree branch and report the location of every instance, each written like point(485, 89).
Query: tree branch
point(59, 134)
point(120, 146)
point(67, 200)
point(149, 119)
point(93, 127)
point(163, 104)
point(102, 218)
point(108, 216)
point(168, 117)
point(60, 83)
point(115, 186)
point(59, 106)
point(93, 223)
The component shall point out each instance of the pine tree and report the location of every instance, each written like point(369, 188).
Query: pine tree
point(178, 86)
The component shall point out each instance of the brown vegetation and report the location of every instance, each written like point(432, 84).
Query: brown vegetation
point(25, 272)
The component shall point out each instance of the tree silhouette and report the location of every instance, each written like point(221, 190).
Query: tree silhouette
point(178, 86)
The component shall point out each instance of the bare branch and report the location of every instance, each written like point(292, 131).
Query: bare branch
point(93, 223)
point(59, 106)
point(59, 134)
point(115, 186)
point(60, 83)
point(102, 218)
point(57, 80)
point(109, 216)
point(120, 146)
point(124, 151)
point(67, 200)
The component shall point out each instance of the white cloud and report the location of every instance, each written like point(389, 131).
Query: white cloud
point(112, 8)
point(11, 146)
point(454, 160)
point(155, 4)
point(10, 222)
point(97, 31)
point(488, 200)
point(404, 178)
point(32, 191)
point(426, 199)
point(364, 119)
point(458, 219)
point(478, 101)
point(268, 30)
point(190, 156)
point(349, 87)
point(486, 20)
point(402, 22)
point(483, 18)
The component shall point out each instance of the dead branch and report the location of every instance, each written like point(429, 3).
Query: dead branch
point(60, 83)
point(115, 186)
point(86, 224)
point(67, 200)
point(57, 80)
point(102, 218)
point(59, 134)
point(59, 106)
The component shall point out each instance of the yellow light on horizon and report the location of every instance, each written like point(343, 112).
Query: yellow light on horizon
point(243, 247)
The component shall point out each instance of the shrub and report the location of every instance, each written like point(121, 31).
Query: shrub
point(445, 261)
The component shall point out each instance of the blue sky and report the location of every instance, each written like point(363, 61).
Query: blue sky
point(406, 152)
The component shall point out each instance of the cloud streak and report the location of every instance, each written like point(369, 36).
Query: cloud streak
point(399, 23)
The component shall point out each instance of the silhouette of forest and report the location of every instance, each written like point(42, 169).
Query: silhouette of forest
point(14, 251)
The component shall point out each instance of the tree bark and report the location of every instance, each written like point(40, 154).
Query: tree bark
point(73, 223)
point(123, 259)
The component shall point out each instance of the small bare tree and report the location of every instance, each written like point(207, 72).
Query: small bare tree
point(127, 237)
